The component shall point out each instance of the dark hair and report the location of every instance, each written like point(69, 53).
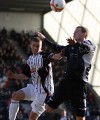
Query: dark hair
point(35, 35)
point(35, 39)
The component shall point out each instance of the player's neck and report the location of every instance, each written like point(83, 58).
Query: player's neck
point(35, 54)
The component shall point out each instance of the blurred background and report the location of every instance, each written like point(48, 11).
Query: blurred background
point(21, 18)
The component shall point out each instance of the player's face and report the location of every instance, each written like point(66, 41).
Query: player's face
point(79, 35)
point(36, 47)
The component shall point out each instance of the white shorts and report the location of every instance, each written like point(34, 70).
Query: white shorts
point(38, 105)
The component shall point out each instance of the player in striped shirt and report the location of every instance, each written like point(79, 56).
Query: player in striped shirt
point(39, 68)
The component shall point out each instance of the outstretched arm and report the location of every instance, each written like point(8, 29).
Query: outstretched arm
point(54, 46)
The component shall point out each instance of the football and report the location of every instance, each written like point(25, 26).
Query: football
point(57, 5)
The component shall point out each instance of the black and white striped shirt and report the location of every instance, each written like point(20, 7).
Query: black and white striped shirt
point(36, 61)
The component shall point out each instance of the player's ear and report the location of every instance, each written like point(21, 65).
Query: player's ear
point(86, 35)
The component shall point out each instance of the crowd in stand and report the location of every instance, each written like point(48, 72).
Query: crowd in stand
point(11, 59)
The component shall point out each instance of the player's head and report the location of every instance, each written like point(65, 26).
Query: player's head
point(80, 33)
point(35, 44)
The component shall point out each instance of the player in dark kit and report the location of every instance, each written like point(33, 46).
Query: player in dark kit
point(79, 55)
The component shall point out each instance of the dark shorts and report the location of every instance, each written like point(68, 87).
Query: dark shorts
point(73, 91)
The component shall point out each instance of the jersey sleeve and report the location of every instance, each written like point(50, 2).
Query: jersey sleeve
point(47, 58)
point(86, 47)
point(90, 44)
point(26, 70)
point(54, 46)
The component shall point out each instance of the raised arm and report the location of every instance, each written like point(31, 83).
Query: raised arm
point(54, 46)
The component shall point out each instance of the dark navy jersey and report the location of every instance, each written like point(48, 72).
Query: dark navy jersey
point(26, 70)
point(79, 57)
